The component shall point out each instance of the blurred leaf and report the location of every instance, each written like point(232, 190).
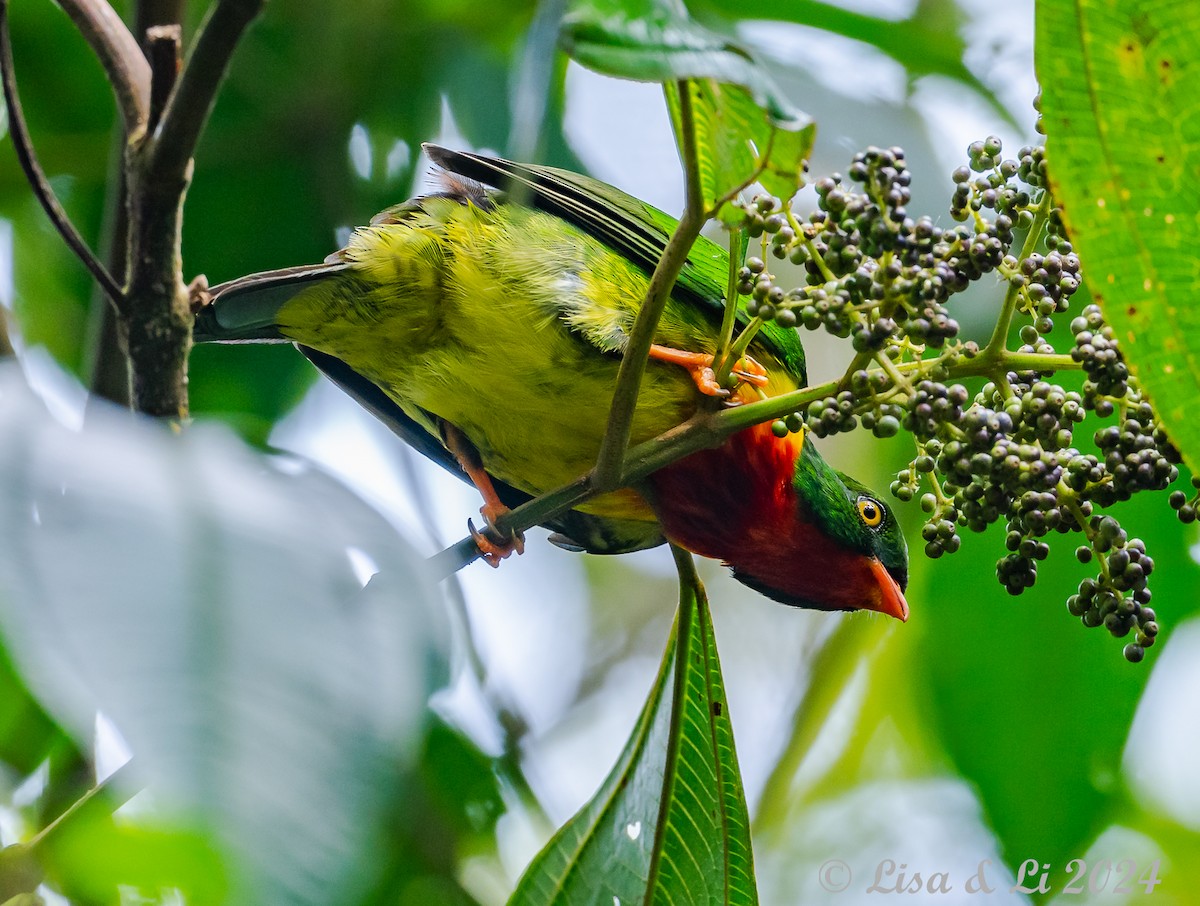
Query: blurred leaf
point(461, 781)
point(25, 899)
point(250, 388)
point(656, 41)
point(19, 872)
point(850, 647)
point(206, 603)
point(27, 733)
point(735, 141)
point(927, 42)
point(92, 855)
point(1121, 102)
point(445, 812)
point(669, 825)
point(1179, 849)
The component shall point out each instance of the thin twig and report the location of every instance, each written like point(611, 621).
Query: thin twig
point(709, 429)
point(637, 350)
point(723, 362)
point(37, 178)
point(999, 339)
point(195, 92)
point(148, 13)
point(162, 49)
point(119, 54)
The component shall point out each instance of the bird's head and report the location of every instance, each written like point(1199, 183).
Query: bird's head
point(788, 525)
point(844, 547)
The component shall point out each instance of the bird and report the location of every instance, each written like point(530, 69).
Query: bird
point(485, 323)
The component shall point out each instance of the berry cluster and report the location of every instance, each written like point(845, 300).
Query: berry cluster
point(1012, 451)
point(1118, 597)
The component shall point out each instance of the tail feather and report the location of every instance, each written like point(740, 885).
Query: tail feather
point(245, 310)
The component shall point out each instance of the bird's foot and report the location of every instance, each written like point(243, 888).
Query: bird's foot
point(749, 371)
point(700, 366)
point(494, 543)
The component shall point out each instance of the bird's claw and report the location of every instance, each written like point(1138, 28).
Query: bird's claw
point(700, 366)
point(706, 381)
point(492, 542)
point(750, 371)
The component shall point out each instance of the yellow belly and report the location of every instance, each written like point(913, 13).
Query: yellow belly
point(499, 332)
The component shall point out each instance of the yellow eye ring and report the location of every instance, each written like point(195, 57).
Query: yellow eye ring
point(870, 512)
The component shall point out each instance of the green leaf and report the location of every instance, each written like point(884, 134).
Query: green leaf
point(669, 825)
point(207, 604)
point(745, 129)
point(1042, 665)
point(737, 143)
point(656, 41)
point(1121, 104)
point(91, 855)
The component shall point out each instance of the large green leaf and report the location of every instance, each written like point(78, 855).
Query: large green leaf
point(208, 604)
point(656, 41)
point(744, 127)
point(1121, 101)
point(669, 825)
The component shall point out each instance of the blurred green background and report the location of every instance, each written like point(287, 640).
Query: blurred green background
point(986, 729)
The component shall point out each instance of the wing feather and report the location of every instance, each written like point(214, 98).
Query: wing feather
point(630, 227)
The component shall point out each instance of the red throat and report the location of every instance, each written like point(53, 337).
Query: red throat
point(736, 503)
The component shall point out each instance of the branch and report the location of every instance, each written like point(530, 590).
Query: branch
point(119, 54)
point(162, 49)
point(37, 178)
point(159, 170)
point(709, 429)
point(192, 100)
point(637, 350)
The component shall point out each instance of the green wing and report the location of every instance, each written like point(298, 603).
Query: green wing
point(637, 231)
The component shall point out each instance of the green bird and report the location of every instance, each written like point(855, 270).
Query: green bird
point(486, 328)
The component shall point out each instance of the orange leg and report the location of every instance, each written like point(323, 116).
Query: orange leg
point(699, 365)
point(492, 550)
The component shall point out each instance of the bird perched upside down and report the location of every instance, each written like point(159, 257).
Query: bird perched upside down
point(486, 328)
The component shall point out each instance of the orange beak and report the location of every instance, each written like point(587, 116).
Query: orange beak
point(890, 599)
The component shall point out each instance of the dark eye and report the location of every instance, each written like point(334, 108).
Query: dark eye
point(869, 511)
